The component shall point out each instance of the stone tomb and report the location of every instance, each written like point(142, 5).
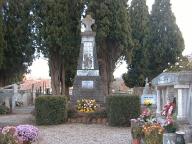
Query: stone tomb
point(87, 82)
point(177, 86)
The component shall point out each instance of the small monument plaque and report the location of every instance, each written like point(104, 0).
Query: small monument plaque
point(87, 82)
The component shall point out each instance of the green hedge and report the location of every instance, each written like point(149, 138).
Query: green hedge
point(4, 110)
point(121, 109)
point(50, 110)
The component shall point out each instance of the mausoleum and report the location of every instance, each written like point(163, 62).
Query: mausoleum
point(179, 86)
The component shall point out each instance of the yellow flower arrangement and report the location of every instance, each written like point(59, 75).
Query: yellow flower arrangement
point(153, 133)
point(148, 102)
point(86, 105)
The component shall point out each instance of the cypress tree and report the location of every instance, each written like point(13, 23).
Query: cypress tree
point(113, 36)
point(1, 34)
point(139, 20)
point(58, 28)
point(165, 41)
point(18, 51)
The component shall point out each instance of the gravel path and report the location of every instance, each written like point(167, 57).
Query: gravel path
point(85, 134)
point(73, 133)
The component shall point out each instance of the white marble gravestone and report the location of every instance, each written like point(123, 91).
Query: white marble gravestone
point(87, 82)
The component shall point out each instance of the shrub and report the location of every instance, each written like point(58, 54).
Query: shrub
point(51, 110)
point(121, 109)
point(4, 110)
point(99, 114)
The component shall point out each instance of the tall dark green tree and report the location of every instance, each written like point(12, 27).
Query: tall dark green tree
point(1, 34)
point(139, 20)
point(18, 50)
point(166, 42)
point(58, 30)
point(113, 35)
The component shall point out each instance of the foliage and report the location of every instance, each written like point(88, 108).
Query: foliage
point(170, 125)
point(7, 135)
point(113, 35)
point(98, 114)
point(148, 115)
point(27, 133)
point(71, 112)
point(182, 64)
point(86, 105)
point(165, 40)
point(4, 110)
point(51, 110)
point(1, 34)
point(139, 21)
point(58, 38)
point(18, 135)
point(18, 43)
point(153, 133)
point(136, 129)
point(120, 109)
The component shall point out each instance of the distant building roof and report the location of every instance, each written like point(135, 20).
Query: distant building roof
point(36, 84)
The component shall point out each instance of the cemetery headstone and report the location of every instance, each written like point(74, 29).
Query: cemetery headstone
point(87, 84)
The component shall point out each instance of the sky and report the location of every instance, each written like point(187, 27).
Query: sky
point(182, 10)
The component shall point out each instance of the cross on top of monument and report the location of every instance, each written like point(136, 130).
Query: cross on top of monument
point(88, 21)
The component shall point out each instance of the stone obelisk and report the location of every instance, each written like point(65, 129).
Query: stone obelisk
point(87, 82)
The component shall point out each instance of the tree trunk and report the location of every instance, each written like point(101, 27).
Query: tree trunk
point(66, 90)
point(107, 59)
point(55, 74)
point(62, 74)
point(106, 71)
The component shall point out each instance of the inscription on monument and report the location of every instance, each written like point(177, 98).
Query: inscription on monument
point(88, 56)
point(87, 84)
point(88, 72)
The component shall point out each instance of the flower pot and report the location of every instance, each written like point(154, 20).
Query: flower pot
point(26, 142)
point(169, 138)
point(136, 141)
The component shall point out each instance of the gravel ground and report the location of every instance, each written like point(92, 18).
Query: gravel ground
point(16, 119)
point(85, 134)
point(73, 133)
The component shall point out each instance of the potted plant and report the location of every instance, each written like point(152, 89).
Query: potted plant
point(153, 133)
point(136, 133)
point(136, 130)
point(169, 125)
point(170, 128)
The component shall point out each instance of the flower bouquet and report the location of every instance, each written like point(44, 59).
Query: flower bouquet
point(22, 134)
point(153, 133)
point(86, 105)
point(148, 103)
point(27, 133)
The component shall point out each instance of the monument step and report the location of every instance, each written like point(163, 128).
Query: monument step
point(23, 110)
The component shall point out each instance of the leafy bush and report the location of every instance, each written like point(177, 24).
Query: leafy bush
point(71, 112)
point(4, 110)
point(97, 114)
point(51, 110)
point(121, 109)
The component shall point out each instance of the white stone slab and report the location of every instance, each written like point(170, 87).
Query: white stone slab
point(87, 84)
point(87, 72)
point(181, 86)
